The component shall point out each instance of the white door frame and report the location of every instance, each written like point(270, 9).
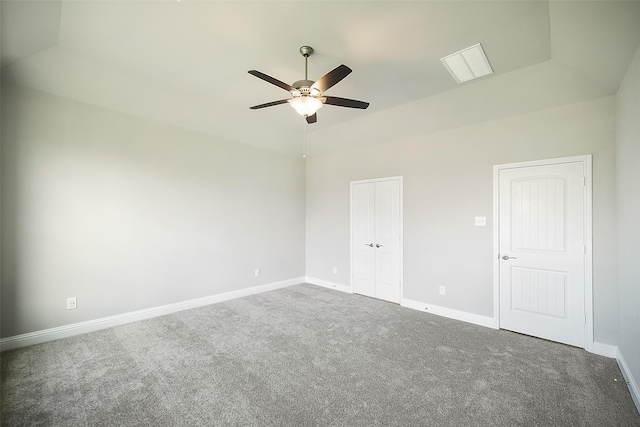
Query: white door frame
point(588, 273)
point(401, 244)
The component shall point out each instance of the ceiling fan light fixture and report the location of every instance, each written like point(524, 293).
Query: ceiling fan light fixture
point(308, 95)
point(306, 105)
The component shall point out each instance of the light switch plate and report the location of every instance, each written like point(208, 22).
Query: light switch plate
point(481, 221)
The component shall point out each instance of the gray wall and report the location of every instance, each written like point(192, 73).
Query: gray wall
point(628, 168)
point(447, 182)
point(127, 214)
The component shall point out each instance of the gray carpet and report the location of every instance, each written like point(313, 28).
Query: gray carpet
point(305, 356)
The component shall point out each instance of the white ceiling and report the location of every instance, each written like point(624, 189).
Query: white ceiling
point(185, 63)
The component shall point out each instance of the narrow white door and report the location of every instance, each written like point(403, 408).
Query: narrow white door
point(542, 251)
point(376, 222)
point(387, 240)
point(363, 238)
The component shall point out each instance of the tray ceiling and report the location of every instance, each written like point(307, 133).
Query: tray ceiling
point(185, 63)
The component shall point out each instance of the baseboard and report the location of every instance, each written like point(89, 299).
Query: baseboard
point(38, 337)
point(327, 284)
point(601, 349)
point(464, 316)
point(632, 382)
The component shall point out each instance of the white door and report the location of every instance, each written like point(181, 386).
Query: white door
point(376, 238)
point(542, 251)
point(363, 238)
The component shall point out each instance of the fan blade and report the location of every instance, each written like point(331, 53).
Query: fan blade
point(331, 78)
point(271, 80)
point(344, 102)
point(312, 118)
point(269, 104)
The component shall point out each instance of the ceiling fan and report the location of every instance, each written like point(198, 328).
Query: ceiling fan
point(308, 95)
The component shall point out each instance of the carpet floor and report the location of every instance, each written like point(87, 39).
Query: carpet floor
point(309, 356)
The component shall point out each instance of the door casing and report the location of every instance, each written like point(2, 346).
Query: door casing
point(588, 273)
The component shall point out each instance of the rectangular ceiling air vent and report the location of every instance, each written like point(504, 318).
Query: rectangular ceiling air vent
point(467, 64)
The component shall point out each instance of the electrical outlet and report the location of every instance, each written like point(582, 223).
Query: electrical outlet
point(71, 303)
point(335, 270)
point(442, 290)
point(481, 221)
point(256, 273)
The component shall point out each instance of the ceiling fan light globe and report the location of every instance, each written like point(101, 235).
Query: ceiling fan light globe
point(306, 105)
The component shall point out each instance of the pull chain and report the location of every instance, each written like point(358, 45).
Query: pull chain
point(304, 139)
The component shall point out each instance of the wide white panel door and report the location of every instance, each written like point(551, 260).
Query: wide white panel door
point(376, 238)
point(363, 238)
point(542, 251)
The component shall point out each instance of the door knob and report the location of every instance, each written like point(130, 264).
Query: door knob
point(369, 244)
point(378, 246)
point(507, 257)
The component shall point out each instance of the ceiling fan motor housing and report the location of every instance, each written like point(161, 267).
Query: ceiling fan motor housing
point(304, 87)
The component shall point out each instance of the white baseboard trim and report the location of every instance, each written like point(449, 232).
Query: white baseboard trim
point(65, 331)
point(632, 382)
point(601, 349)
point(464, 316)
point(327, 284)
